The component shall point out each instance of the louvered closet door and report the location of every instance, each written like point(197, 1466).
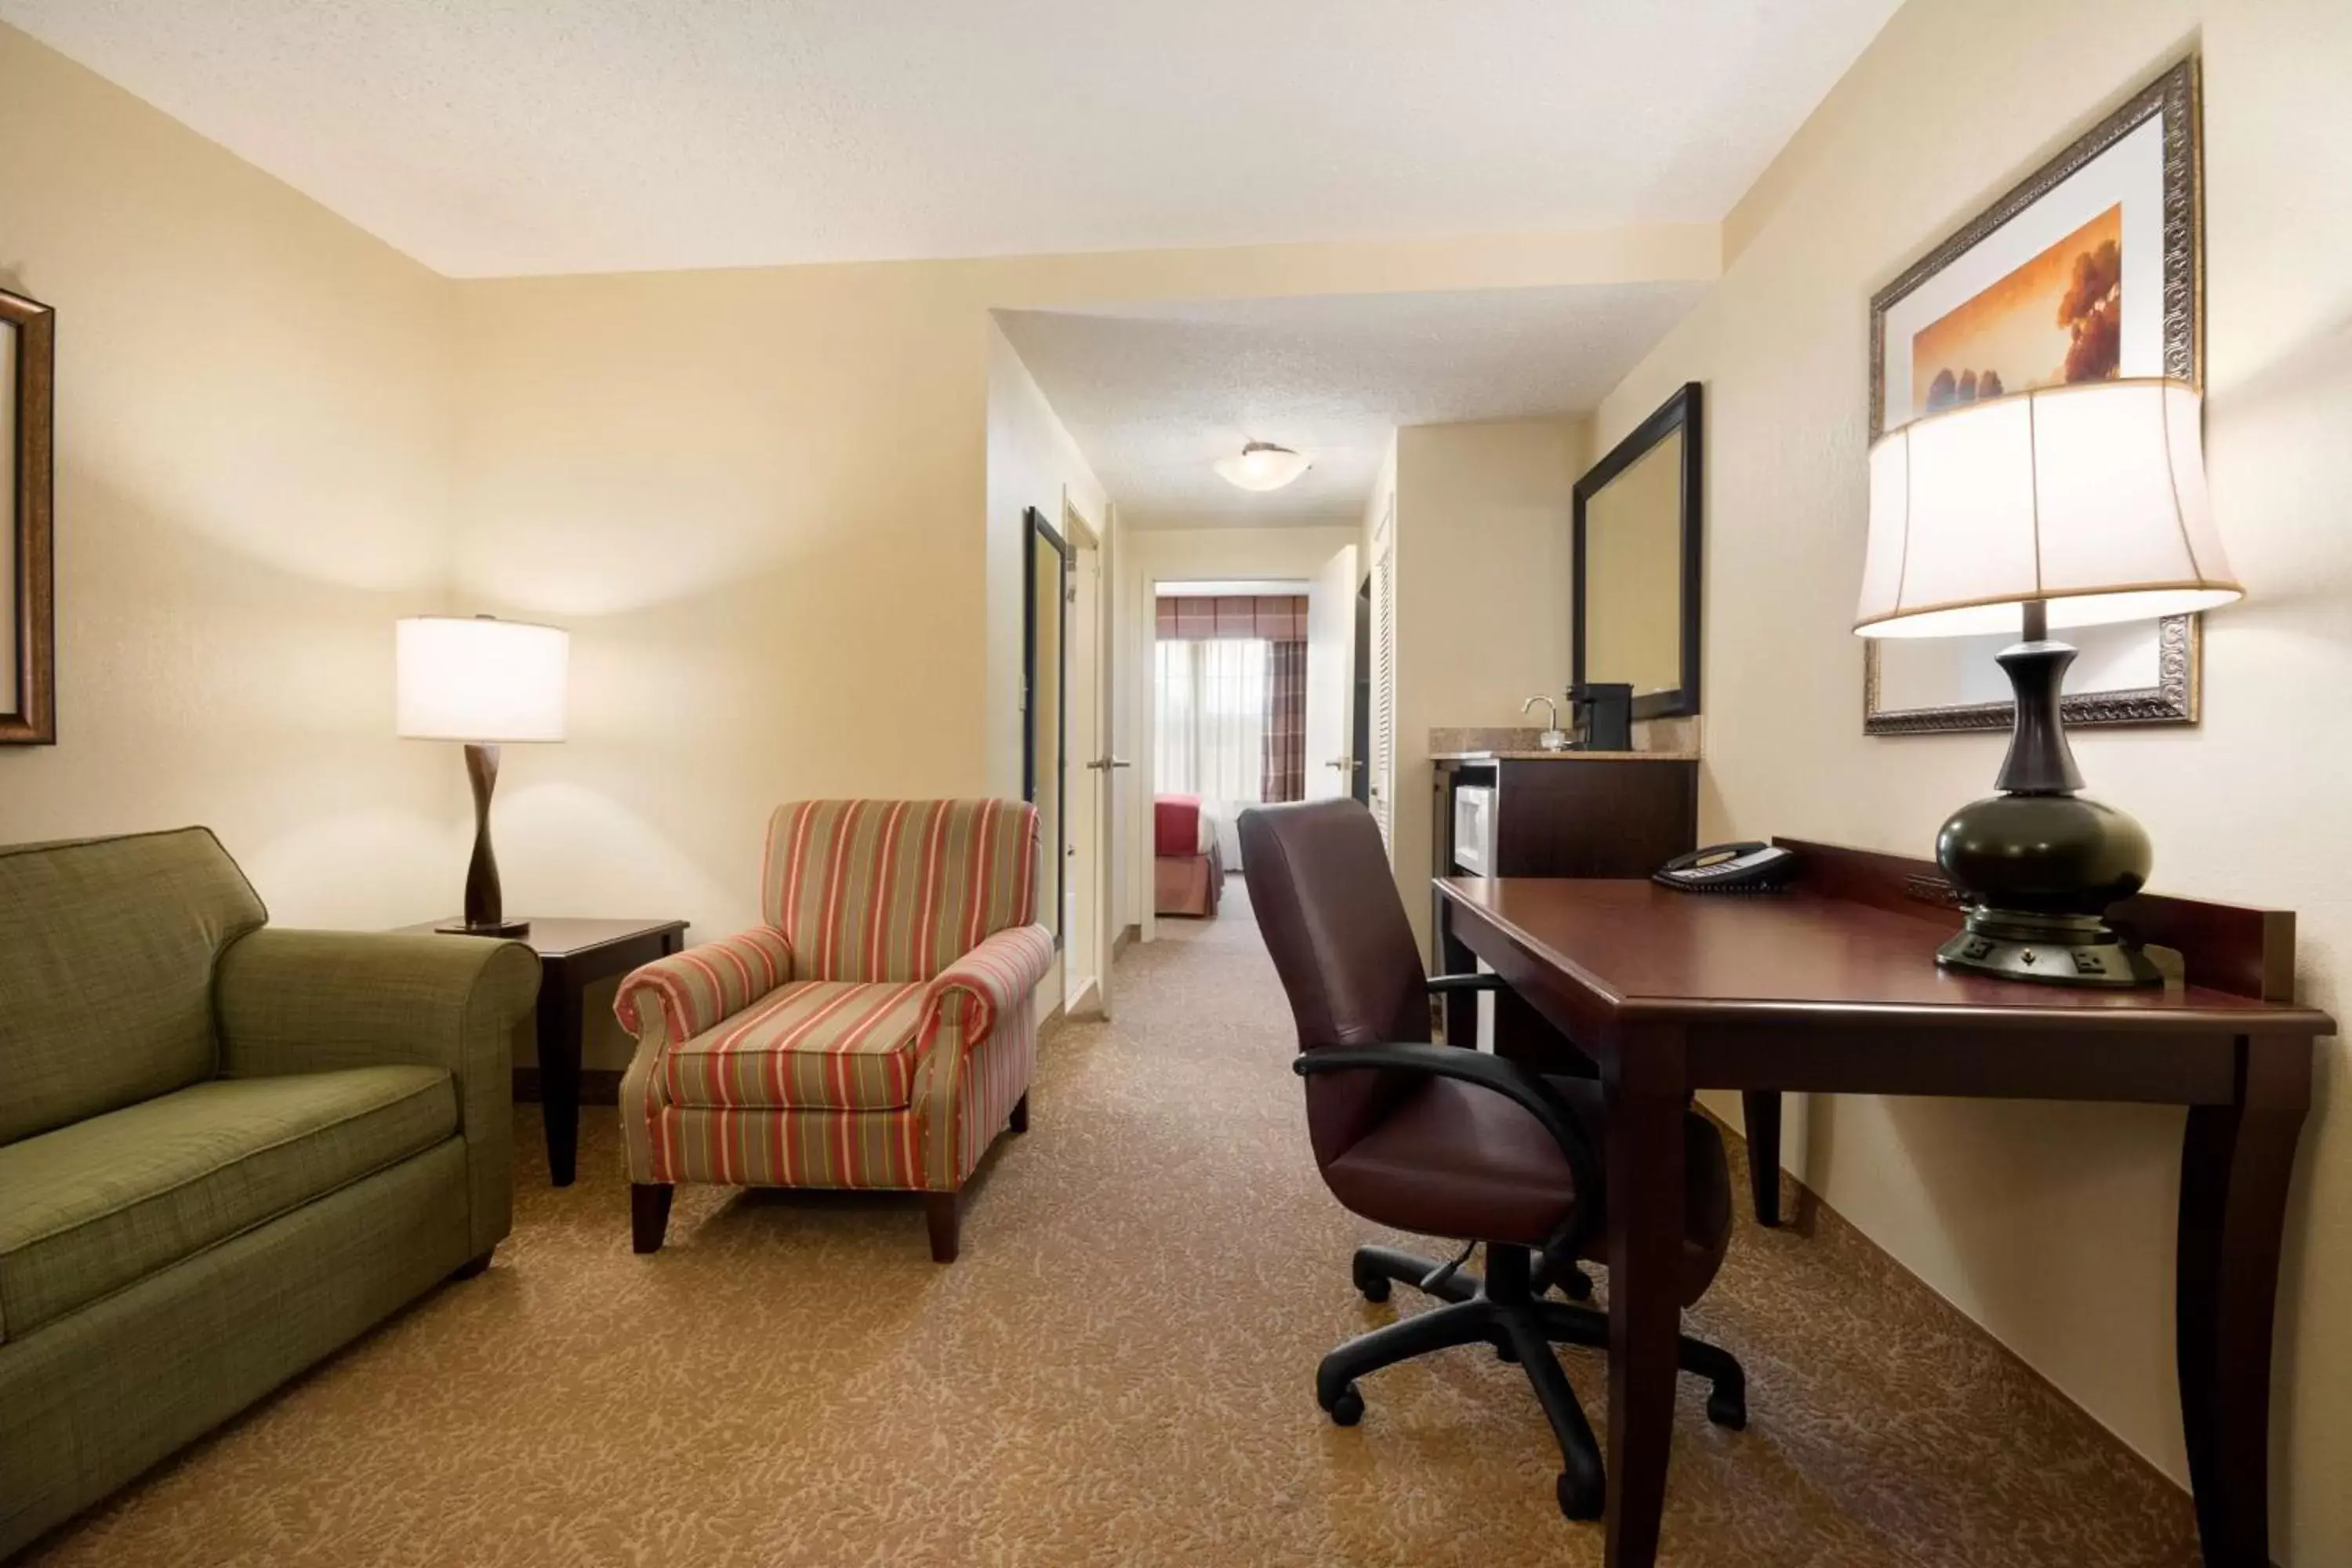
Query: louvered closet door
point(1383, 725)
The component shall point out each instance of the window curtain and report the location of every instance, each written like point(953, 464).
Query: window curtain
point(1286, 720)
point(1211, 729)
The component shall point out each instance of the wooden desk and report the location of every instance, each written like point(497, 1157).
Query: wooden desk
point(573, 955)
point(1833, 987)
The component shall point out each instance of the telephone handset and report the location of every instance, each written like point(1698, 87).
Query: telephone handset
point(1749, 868)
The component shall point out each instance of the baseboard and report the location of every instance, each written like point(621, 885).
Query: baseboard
point(598, 1086)
point(1118, 944)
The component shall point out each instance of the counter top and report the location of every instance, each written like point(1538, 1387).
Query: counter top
point(1570, 756)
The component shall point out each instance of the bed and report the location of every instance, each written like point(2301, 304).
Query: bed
point(1188, 869)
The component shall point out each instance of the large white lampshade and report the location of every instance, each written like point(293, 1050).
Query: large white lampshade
point(475, 679)
point(2088, 498)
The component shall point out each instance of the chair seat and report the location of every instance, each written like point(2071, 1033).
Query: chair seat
point(90, 1209)
point(1455, 1160)
point(811, 1045)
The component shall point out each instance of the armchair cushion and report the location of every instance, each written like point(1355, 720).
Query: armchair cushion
point(92, 1208)
point(691, 992)
point(814, 1044)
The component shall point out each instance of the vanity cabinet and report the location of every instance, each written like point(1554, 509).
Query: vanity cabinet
point(1558, 814)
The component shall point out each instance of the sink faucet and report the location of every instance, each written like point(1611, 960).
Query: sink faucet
point(1554, 738)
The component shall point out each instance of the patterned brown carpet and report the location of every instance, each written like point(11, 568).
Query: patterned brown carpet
point(1118, 1371)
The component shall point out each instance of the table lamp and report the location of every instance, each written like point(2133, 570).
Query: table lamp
point(2072, 505)
point(486, 682)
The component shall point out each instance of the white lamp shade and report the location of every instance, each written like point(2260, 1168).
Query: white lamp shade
point(1262, 467)
point(479, 679)
point(2090, 498)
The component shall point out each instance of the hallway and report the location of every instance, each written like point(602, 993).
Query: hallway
point(1118, 1371)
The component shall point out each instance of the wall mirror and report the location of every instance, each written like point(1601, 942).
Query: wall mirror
point(27, 636)
point(1635, 598)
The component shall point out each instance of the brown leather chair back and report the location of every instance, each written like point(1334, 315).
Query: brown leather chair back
point(1328, 907)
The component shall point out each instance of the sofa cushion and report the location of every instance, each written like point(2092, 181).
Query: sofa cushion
point(92, 1208)
point(106, 949)
point(814, 1044)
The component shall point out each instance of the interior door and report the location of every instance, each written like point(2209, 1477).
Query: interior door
point(1331, 764)
point(1044, 722)
point(1089, 802)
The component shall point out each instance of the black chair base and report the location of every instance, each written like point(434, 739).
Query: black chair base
point(1508, 1311)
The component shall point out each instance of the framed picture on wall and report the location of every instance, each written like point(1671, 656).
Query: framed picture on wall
point(27, 635)
point(2088, 269)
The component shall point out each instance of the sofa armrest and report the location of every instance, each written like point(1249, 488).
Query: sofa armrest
point(970, 993)
point(310, 1001)
point(679, 996)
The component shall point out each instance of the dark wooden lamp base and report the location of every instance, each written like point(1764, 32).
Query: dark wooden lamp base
point(485, 903)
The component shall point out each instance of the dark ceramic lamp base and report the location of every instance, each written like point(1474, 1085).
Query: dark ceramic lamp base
point(485, 910)
point(2037, 866)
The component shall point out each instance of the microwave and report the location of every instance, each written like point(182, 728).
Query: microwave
point(1474, 828)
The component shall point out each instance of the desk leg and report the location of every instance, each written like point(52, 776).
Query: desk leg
point(1642, 1079)
point(1455, 957)
point(1760, 1109)
point(2235, 1162)
point(559, 1072)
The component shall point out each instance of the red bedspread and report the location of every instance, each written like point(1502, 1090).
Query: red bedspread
point(1176, 825)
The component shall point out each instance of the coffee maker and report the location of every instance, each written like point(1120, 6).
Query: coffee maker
point(1601, 712)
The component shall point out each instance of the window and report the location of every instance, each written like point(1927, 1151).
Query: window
point(1211, 720)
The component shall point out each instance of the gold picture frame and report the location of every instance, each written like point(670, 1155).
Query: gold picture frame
point(28, 712)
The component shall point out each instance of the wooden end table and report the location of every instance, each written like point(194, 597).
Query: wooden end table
point(573, 955)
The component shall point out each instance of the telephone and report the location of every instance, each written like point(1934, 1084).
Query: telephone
point(1749, 867)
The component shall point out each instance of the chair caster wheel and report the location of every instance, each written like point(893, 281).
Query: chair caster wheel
point(1727, 1407)
point(1581, 1500)
point(1507, 1352)
point(1577, 1285)
point(1372, 1287)
point(1347, 1408)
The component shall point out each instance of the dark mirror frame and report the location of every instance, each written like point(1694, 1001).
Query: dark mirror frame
point(1039, 533)
point(30, 716)
point(1681, 412)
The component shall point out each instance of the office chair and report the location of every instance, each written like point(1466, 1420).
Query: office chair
point(1451, 1142)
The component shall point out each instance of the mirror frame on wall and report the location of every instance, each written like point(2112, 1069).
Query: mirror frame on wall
point(1041, 533)
point(1681, 412)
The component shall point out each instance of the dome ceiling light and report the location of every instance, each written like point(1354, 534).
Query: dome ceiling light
point(1263, 465)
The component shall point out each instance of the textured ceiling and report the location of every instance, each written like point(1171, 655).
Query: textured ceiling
point(1155, 395)
point(489, 137)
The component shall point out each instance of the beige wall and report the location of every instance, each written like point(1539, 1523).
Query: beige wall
point(253, 468)
point(2052, 1224)
point(1482, 537)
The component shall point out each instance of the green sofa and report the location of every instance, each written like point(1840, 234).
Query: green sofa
point(225, 1149)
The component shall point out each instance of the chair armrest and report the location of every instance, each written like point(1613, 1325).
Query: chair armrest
point(1439, 984)
point(308, 1001)
point(686, 993)
point(972, 991)
point(1508, 1079)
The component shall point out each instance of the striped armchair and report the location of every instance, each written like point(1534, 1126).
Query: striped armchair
point(876, 1031)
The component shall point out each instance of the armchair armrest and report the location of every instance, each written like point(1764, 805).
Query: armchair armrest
point(1508, 1079)
point(972, 991)
point(687, 992)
